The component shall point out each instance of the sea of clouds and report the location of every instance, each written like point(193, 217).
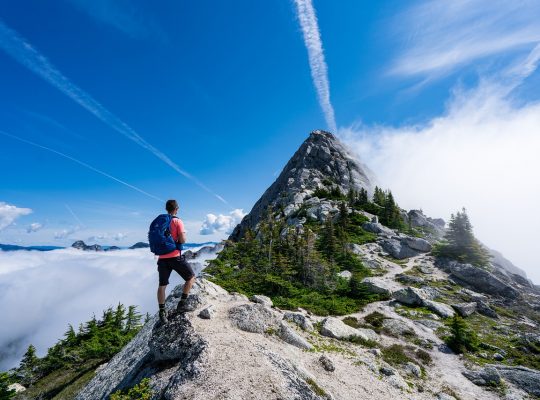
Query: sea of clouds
point(42, 292)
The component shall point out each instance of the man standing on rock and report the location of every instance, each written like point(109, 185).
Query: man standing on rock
point(174, 261)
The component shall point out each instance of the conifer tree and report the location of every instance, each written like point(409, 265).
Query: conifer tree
point(460, 243)
point(29, 360)
point(119, 316)
point(379, 196)
point(133, 319)
point(462, 337)
point(70, 336)
point(5, 393)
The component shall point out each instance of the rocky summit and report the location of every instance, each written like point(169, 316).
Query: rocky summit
point(321, 161)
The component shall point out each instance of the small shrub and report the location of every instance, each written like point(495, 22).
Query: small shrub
point(423, 356)
point(351, 321)
point(395, 355)
point(375, 319)
point(141, 391)
point(361, 341)
point(319, 391)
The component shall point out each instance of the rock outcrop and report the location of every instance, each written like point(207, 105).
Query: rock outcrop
point(321, 161)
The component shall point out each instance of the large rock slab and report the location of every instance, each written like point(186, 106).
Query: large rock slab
point(299, 319)
point(378, 286)
point(417, 244)
point(524, 378)
point(410, 296)
point(254, 317)
point(336, 328)
point(175, 340)
point(396, 327)
point(488, 376)
point(397, 249)
point(288, 335)
point(264, 300)
point(379, 229)
point(440, 309)
point(477, 278)
point(465, 309)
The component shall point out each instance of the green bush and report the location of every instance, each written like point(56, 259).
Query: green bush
point(395, 355)
point(141, 391)
point(351, 321)
point(375, 319)
point(5, 381)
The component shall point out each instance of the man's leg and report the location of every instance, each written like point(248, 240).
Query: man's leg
point(188, 285)
point(161, 294)
point(186, 272)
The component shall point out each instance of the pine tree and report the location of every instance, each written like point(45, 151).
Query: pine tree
point(379, 196)
point(462, 337)
point(29, 360)
point(70, 336)
point(460, 243)
point(133, 319)
point(5, 393)
point(119, 316)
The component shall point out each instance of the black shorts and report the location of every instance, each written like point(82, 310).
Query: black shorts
point(179, 264)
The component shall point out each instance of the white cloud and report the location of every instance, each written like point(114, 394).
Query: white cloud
point(440, 36)
point(317, 63)
point(35, 312)
point(9, 213)
point(65, 233)
point(106, 236)
point(34, 227)
point(221, 223)
point(482, 153)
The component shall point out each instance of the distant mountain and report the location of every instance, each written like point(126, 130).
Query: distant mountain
point(143, 245)
point(13, 247)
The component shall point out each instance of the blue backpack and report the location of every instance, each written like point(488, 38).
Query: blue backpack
point(159, 235)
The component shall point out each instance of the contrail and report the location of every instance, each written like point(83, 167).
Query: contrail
point(22, 51)
point(74, 215)
point(81, 163)
point(319, 70)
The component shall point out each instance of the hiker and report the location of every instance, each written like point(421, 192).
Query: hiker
point(172, 260)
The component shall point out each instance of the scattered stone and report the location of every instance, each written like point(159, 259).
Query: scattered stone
point(376, 352)
point(207, 313)
point(464, 309)
point(387, 371)
point(345, 274)
point(488, 376)
point(17, 387)
point(265, 300)
point(397, 381)
point(253, 317)
point(413, 370)
point(425, 269)
point(235, 296)
point(444, 396)
point(484, 309)
point(289, 335)
point(498, 357)
point(439, 308)
point(327, 364)
point(299, 319)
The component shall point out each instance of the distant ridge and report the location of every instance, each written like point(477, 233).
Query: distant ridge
point(13, 247)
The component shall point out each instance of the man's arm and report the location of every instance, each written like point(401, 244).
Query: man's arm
point(181, 237)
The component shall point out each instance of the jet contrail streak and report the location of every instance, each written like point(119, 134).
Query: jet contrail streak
point(74, 215)
point(81, 163)
point(319, 70)
point(22, 51)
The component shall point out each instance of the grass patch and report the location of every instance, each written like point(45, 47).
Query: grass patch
point(362, 342)
point(375, 319)
point(351, 321)
point(319, 391)
point(395, 355)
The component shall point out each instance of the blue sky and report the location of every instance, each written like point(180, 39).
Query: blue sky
point(206, 101)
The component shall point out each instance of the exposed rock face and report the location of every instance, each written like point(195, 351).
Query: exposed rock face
point(465, 309)
point(524, 378)
point(410, 296)
point(434, 228)
point(79, 244)
point(299, 319)
point(477, 278)
point(398, 248)
point(378, 286)
point(321, 157)
point(336, 328)
point(440, 309)
point(488, 376)
point(264, 300)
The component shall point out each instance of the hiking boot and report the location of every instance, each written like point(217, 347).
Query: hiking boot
point(184, 306)
point(163, 316)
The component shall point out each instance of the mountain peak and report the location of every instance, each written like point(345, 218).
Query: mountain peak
point(321, 162)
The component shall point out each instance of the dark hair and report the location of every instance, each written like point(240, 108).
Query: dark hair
point(171, 205)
